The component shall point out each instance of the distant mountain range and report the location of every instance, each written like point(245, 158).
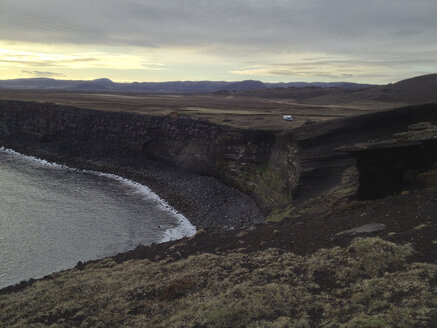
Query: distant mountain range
point(418, 89)
point(164, 87)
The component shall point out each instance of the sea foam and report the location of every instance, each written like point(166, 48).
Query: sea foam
point(184, 227)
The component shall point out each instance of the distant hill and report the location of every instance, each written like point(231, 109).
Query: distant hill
point(420, 87)
point(162, 87)
point(246, 85)
point(37, 83)
point(343, 85)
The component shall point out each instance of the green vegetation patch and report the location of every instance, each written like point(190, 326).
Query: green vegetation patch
point(370, 283)
point(279, 214)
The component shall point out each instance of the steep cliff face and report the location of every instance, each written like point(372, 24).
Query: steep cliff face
point(319, 169)
point(396, 163)
point(280, 172)
point(334, 168)
point(236, 157)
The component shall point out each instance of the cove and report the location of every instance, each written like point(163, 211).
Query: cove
point(52, 216)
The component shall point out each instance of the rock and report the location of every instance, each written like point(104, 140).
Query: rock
point(429, 178)
point(367, 228)
point(80, 266)
point(198, 233)
point(241, 234)
point(409, 176)
point(420, 227)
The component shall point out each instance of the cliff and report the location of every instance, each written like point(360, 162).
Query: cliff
point(208, 168)
point(187, 161)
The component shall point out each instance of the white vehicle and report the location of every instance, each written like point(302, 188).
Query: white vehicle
point(288, 117)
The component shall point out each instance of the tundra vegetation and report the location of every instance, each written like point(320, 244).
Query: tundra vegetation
point(368, 283)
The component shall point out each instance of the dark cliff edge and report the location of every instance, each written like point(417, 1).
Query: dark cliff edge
point(325, 171)
point(220, 177)
point(324, 159)
point(195, 165)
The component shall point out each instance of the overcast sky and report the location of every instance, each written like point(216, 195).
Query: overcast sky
point(271, 40)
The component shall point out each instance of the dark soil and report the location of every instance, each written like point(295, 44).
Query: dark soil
point(409, 218)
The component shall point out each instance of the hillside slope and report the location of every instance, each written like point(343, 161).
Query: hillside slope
point(314, 274)
point(416, 90)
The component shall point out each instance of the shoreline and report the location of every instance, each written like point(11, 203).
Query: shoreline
point(184, 229)
point(206, 202)
point(128, 172)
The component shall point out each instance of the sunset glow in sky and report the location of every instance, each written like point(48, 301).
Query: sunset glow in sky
point(165, 40)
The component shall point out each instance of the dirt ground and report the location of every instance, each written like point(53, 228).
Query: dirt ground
point(409, 217)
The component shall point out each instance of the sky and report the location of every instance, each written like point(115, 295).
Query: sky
point(370, 41)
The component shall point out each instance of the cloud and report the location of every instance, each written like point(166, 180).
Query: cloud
point(228, 34)
point(27, 62)
point(76, 60)
point(339, 68)
point(42, 74)
point(294, 24)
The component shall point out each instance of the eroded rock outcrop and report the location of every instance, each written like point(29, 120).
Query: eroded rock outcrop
point(389, 165)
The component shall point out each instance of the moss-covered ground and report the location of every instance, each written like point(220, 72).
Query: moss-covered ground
point(369, 283)
point(297, 273)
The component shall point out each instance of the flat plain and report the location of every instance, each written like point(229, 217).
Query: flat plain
point(242, 111)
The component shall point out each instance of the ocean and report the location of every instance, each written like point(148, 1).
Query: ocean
point(52, 216)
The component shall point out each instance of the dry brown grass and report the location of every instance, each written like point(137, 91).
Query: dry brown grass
point(240, 112)
point(371, 283)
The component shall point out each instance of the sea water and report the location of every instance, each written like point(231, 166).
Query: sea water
point(52, 216)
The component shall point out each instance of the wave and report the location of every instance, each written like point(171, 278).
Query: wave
point(184, 227)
